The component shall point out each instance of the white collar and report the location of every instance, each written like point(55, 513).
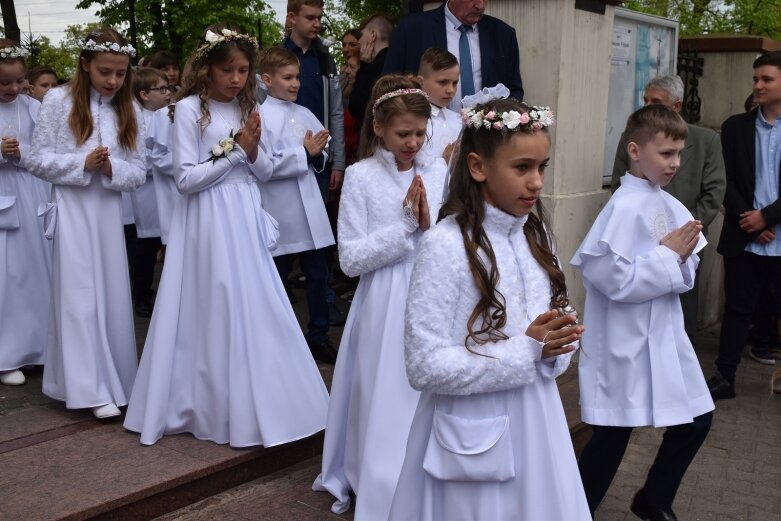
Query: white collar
point(501, 221)
point(454, 22)
point(632, 182)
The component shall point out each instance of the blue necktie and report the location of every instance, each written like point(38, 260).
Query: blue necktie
point(465, 61)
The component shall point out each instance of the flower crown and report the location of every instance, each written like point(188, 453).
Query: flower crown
point(10, 53)
point(395, 94)
point(226, 35)
point(93, 46)
point(536, 118)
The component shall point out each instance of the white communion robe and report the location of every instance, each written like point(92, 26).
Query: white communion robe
point(91, 353)
point(292, 195)
point(166, 192)
point(444, 127)
point(637, 366)
point(144, 198)
point(225, 358)
point(489, 439)
point(372, 403)
point(25, 254)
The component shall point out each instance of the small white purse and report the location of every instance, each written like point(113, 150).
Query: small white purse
point(467, 449)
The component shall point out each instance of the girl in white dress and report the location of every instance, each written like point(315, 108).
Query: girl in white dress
point(389, 199)
point(485, 339)
point(225, 358)
point(89, 144)
point(25, 254)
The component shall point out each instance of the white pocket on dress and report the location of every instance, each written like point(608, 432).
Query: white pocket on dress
point(9, 214)
point(468, 449)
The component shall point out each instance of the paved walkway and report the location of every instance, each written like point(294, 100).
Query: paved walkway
point(736, 475)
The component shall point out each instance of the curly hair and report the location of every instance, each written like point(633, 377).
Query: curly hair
point(196, 79)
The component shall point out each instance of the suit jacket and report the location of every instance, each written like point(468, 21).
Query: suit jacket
point(738, 134)
point(499, 53)
point(700, 181)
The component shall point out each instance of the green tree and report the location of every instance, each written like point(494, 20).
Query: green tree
point(755, 17)
point(178, 24)
point(62, 58)
point(360, 9)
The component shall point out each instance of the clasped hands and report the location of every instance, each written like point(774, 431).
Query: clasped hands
point(556, 332)
point(683, 240)
point(248, 136)
point(98, 160)
point(753, 221)
point(9, 147)
point(416, 202)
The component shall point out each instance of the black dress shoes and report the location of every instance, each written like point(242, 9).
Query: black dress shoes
point(720, 388)
point(323, 351)
point(642, 509)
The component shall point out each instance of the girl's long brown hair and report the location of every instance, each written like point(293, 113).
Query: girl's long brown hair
point(80, 118)
point(407, 103)
point(196, 79)
point(466, 203)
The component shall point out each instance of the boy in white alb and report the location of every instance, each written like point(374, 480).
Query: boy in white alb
point(295, 141)
point(638, 367)
point(151, 91)
point(438, 75)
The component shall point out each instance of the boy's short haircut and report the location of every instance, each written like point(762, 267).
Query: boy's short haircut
point(161, 60)
point(294, 6)
point(769, 58)
point(145, 78)
point(380, 22)
point(643, 125)
point(274, 58)
point(36, 72)
point(435, 60)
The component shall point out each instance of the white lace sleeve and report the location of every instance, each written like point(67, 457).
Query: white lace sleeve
point(360, 250)
point(435, 361)
point(45, 159)
point(129, 172)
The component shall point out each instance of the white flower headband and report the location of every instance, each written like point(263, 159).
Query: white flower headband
point(395, 94)
point(226, 35)
point(93, 46)
point(9, 53)
point(536, 118)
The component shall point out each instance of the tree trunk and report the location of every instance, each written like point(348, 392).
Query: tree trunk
point(9, 20)
point(132, 29)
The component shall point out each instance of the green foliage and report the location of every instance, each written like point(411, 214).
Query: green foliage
point(755, 17)
point(360, 9)
point(62, 58)
point(177, 25)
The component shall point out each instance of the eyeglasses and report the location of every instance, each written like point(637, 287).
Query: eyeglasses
point(164, 89)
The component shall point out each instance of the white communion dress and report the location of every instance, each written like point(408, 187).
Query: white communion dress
point(91, 356)
point(372, 403)
point(25, 254)
point(225, 358)
point(489, 440)
point(159, 147)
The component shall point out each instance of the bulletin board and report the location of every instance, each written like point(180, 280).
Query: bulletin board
point(644, 46)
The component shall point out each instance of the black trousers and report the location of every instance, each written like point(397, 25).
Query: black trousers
point(603, 453)
point(746, 278)
point(141, 260)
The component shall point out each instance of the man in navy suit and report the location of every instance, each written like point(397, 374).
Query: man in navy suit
point(486, 47)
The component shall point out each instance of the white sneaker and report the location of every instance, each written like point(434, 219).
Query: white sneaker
point(106, 411)
point(15, 377)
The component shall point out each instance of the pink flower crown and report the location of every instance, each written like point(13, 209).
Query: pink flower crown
point(536, 118)
point(395, 94)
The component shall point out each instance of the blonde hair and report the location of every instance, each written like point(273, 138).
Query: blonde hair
point(274, 58)
point(80, 117)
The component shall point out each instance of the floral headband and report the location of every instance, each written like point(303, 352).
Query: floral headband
point(536, 118)
point(93, 46)
point(226, 35)
point(395, 94)
point(9, 53)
